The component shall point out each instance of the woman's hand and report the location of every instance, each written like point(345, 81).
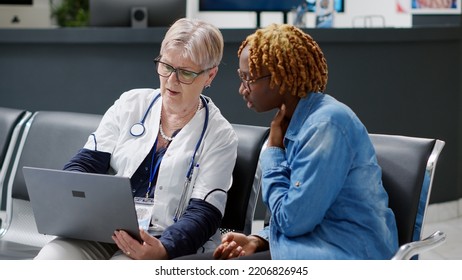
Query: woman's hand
point(237, 245)
point(150, 249)
point(278, 129)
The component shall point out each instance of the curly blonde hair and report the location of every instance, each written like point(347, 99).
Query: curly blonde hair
point(295, 61)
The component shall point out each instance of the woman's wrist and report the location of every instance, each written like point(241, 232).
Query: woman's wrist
point(259, 243)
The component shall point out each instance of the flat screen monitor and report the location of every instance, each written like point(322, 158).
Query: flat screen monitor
point(16, 2)
point(262, 5)
point(136, 13)
point(249, 5)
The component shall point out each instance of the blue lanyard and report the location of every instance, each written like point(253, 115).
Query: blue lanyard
point(153, 171)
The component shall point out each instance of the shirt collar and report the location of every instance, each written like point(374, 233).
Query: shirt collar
point(301, 113)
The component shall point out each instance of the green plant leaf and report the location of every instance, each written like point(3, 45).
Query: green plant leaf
point(71, 13)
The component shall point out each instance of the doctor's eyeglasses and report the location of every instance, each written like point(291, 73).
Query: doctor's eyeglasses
point(183, 76)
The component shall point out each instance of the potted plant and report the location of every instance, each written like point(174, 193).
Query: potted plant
point(70, 13)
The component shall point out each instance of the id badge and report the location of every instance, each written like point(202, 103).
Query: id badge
point(144, 208)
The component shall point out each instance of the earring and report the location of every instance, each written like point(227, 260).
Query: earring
point(207, 86)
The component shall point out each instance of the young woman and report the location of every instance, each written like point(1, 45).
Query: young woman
point(320, 177)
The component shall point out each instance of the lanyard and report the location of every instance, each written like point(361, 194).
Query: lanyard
point(153, 171)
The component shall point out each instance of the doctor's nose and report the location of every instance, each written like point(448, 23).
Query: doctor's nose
point(174, 77)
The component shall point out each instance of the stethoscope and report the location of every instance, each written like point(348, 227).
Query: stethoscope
point(138, 130)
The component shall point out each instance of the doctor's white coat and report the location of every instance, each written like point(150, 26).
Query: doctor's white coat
point(214, 161)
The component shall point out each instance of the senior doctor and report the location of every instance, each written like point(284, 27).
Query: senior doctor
point(174, 145)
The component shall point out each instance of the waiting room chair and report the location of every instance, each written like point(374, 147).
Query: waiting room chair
point(11, 124)
point(243, 195)
point(49, 140)
point(408, 167)
point(9, 120)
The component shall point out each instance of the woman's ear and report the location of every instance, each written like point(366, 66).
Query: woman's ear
point(211, 75)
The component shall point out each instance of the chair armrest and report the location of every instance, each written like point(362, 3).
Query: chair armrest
point(408, 250)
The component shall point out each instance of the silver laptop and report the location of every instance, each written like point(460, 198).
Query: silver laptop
point(81, 205)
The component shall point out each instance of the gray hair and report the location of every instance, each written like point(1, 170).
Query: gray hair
point(201, 42)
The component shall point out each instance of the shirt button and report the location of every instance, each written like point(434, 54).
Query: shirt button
point(146, 168)
point(133, 190)
point(297, 184)
point(161, 188)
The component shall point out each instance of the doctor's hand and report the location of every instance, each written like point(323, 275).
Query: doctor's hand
point(278, 129)
point(150, 249)
point(235, 244)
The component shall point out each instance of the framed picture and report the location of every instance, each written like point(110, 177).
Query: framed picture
point(432, 7)
point(324, 13)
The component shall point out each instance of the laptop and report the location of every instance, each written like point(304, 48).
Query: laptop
point(81, 205)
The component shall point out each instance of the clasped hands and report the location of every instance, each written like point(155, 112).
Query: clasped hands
point(235, 245)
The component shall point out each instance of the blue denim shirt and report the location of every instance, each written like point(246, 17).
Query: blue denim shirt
point(324, 190)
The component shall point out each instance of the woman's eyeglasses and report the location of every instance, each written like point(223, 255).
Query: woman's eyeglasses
point(183, 76)
point(247, 82)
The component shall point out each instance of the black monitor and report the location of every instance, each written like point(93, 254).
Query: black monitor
point(249, 5)
point(257, 6)
point(136, 13)
point(16, 2)
point(261, 5)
